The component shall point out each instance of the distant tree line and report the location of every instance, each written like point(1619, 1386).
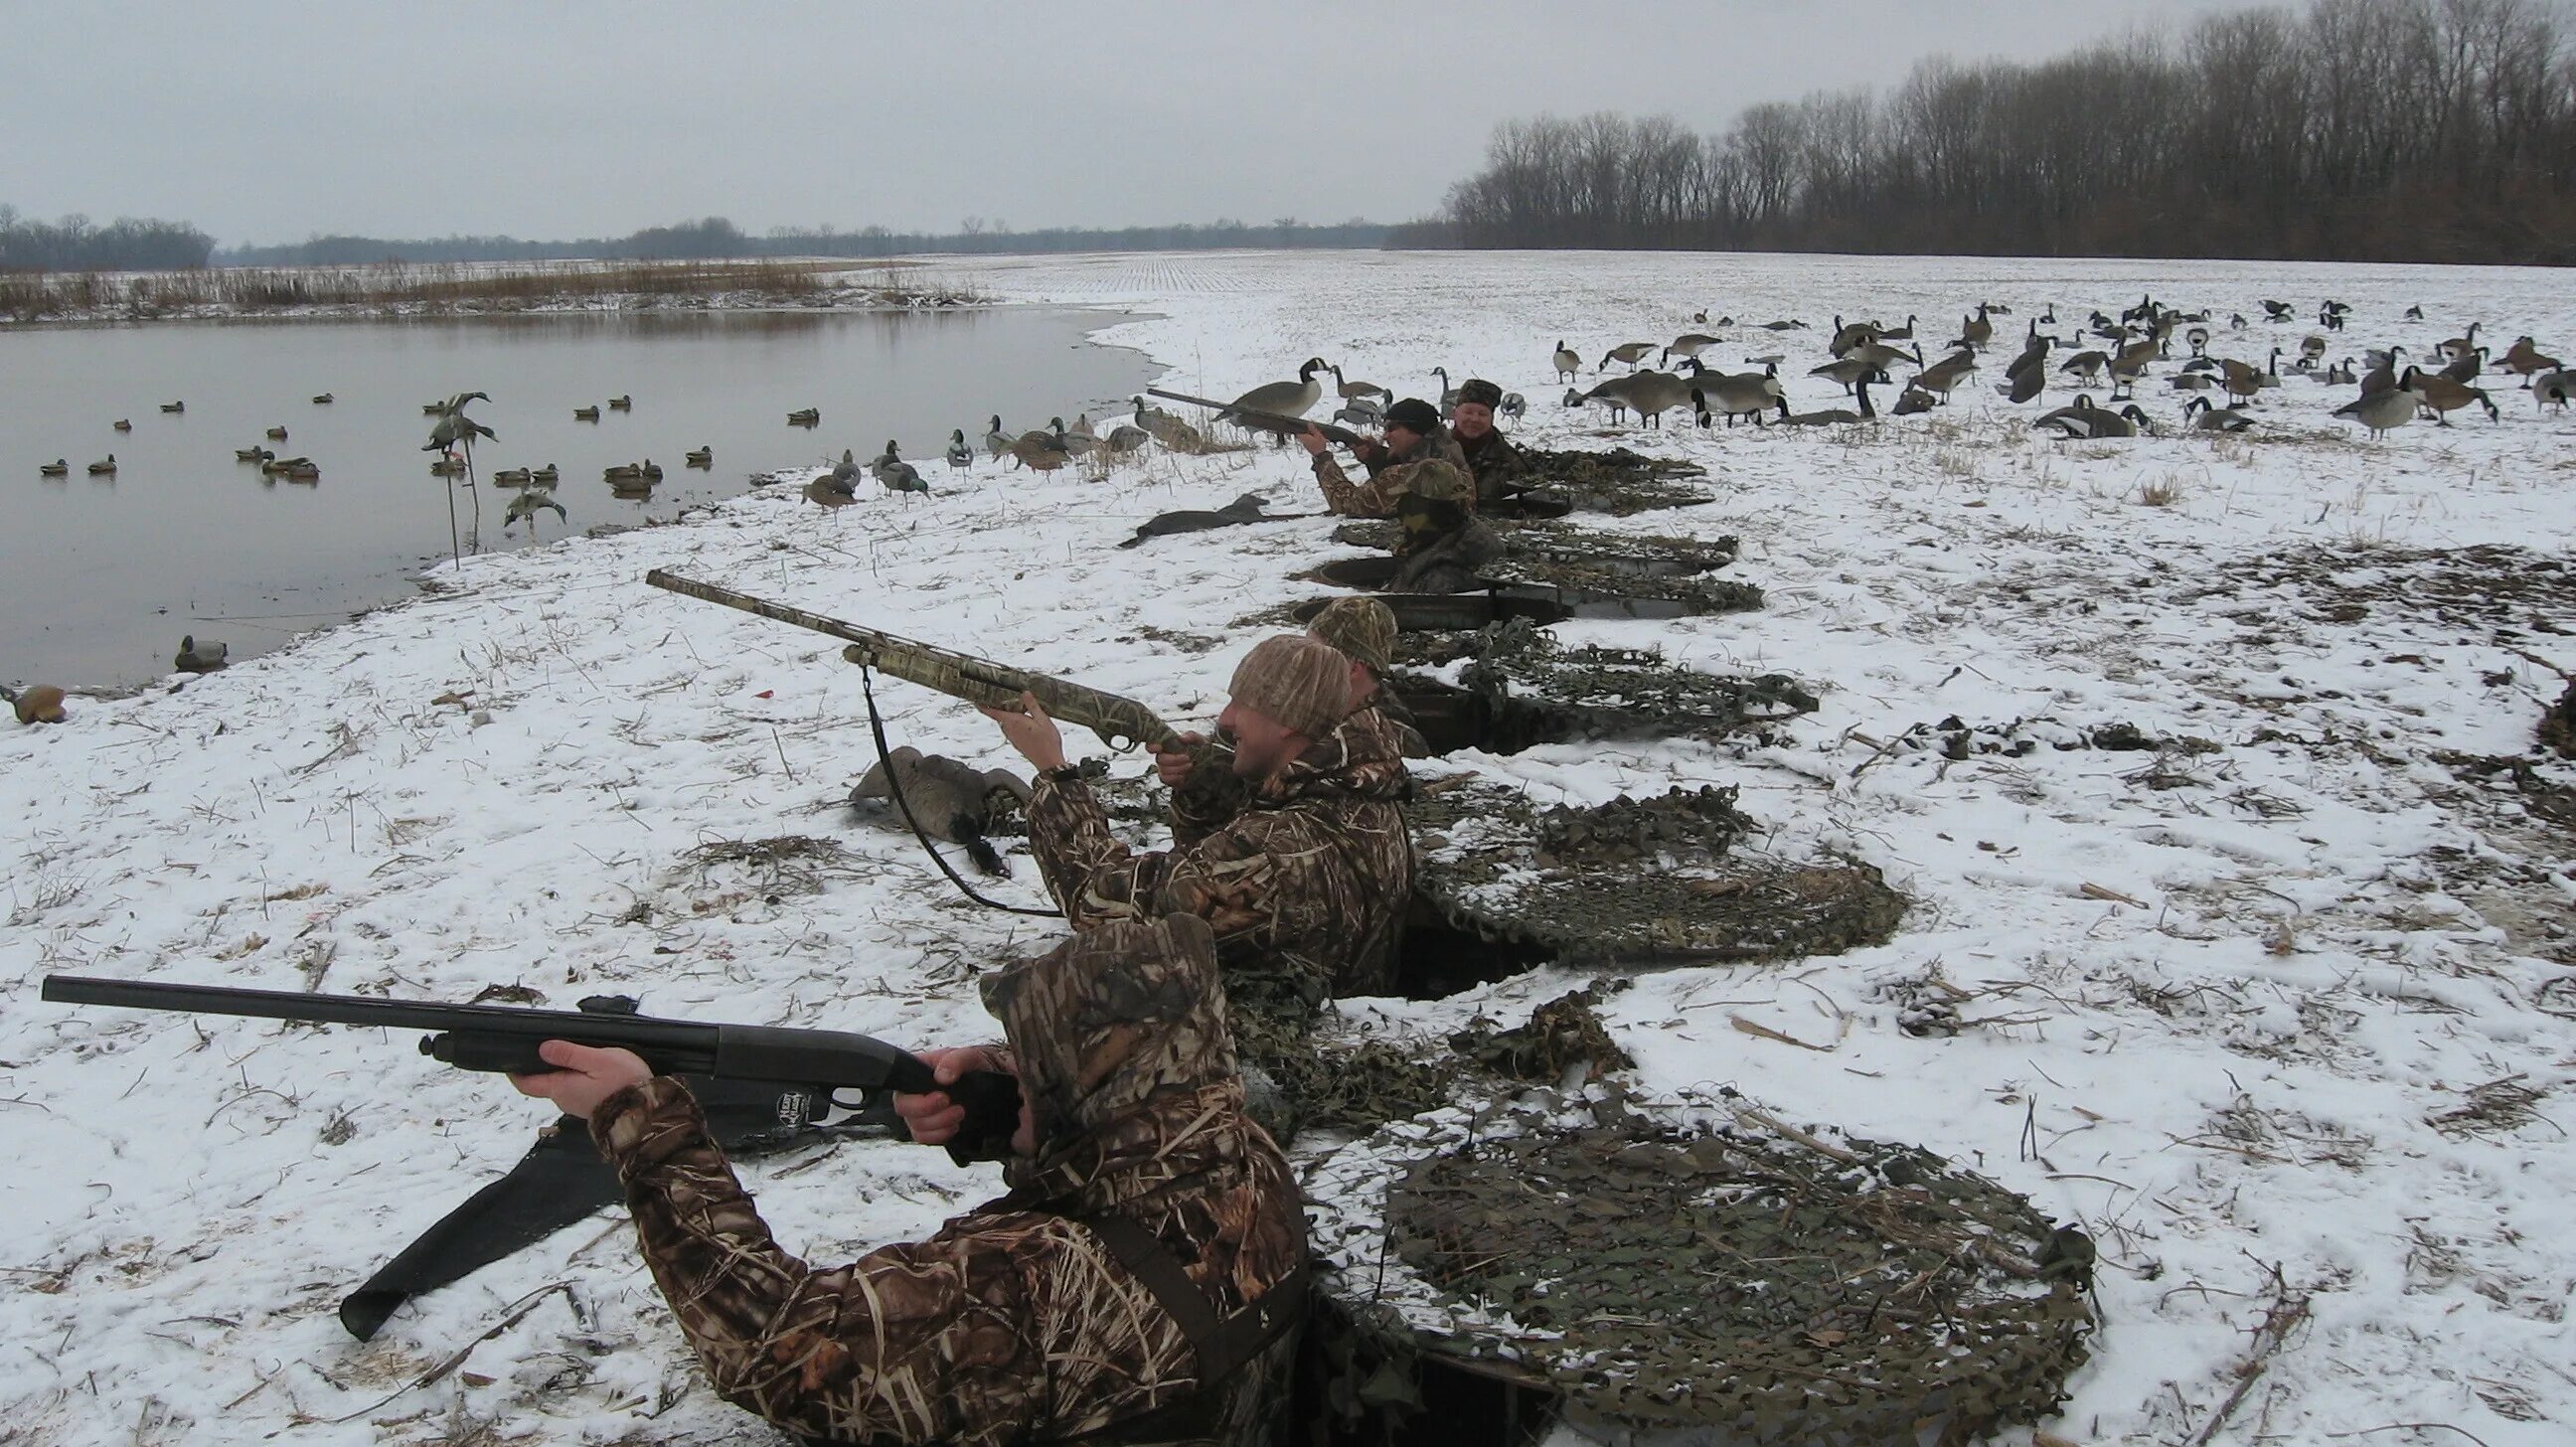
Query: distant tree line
point(715, 238)
point(74, 244)
point(2433, 130)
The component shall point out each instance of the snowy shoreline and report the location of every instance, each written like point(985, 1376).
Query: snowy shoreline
point(2292, 1050)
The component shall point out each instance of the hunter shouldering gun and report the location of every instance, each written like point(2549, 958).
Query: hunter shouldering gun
point(504, 1038)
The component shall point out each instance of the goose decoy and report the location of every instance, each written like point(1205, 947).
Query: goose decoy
point(200, 655)
point(2079, 412)
point(1285, 399)
point(699, 457)
point(276, 434)
point(2527, 361)
point(585, 414)
point(845, 473)
point(1512, 406)
point(2243, 379)
point(1630, 353)
point(959, 454)
point(1079, 444)
point(122, 425)
point(1688, 344)
point(1785, 324)
point(1904, 333)
point(894, 474)
point(2331, 314)
point(1654, 393)
point(805, 417)
point(454, 428)
point(174, 406)
point(253, 454)
point(2446, 396)
point(1349, 389)
point(1569, 362)
point(1169, 430)
point(2552, 389)
point(2277, 311)
point(546, 476)
point(2448, 351)
point(104, 469)
point(1573, 399)
point(1126, 437)
point(1846, 370)
point(511, 477)
point(2382, 412)
point(322, 399)
point(59, 467)
point(2465, 368)
point(1361, 412)
point(1848, 336)
point(2312, 350)
point(1830, 416)
point(621, 404)
point(2205, 418)
point(2087, 365)
point(2340, 374)
point(1244, 509)
point(1738, 394)
point(2192, 381)
point(1944, 376)
point(998, 442)
point(1613, 394)
point(1913, 400)
point(2382, 376)
point(1978, 330)
point(1448, 394)
point(526, 506)
point(1082, 427)
point(2414, 313)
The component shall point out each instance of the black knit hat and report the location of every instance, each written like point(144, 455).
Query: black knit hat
point(1414, 415)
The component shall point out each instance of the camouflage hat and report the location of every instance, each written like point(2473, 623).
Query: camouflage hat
point(1414, 415)
point(1362, 629)
point(1440, 481)
point(1479, 392)
point(1298, 683)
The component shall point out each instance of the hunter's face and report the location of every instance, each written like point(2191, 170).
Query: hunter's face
point(1400, 437)
point(1262, 745)
point(1471, 421)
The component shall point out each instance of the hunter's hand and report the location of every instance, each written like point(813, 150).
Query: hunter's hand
point(934, 1119)
point(1029, 730)
point(583, 1076)
point(1313, 441)
point(1172, 760)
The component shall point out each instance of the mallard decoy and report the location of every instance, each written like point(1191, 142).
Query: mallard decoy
point(104, 469)
point(998, 442)
point(2382, 412)
point(276, 434)
point(585, 414)
point(200, 655)
point(622, 472)
point(947, 799)
point(1044, 451)
point(526, 505)
point(1080, 444)
point(511, 477)
point(621, 404)
point(432, 409)
point(296, 470)
point(545, 476)
point(174, 406)
point(894, 474)
point(59, 467)
point(805, 417)
point(454, 427)
point(2206, 418)
point(322, 399)
point(279, 466)
point(959, 454)
point(700, 456)
point(253, 454)
point(122, 425)
point(1569, 362)
point(447, 467)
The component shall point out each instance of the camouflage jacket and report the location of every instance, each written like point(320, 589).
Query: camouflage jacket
point(1014, 1323)
point(1387, 476)
point(1495, 463)
point(1306, 884)
point(1448, 563)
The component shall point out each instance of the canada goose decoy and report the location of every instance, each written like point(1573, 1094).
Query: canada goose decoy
point(2552, 389)
point(1785, 324)
point(2312, 350)
point(1846, 370)
point(2527, 361)
point(2331, 314)
point(1448, 394)
point(1654, 393)
point(526, 506)
point(1904, 333)
point(1612, 393)
point(252, 454)
point(1978, 330)
point(1360, 412)
point(1168, 429)
point(2277, 311)
point(1629, 353)
point(1285, 399)
point(276, 434)
point(447, 467)
point(2382, 412)
point(546, 476)
point(621, 404)
point(322, 399)
point(2131, 364)
point(1829, 416)
point(511, 477)
point(2206, 418)
point(1913, 400)
point(894, 474)
point(122, 425)
point(1082, 427)
point(1880, 356)
point(2087, 365)
point(2079, 412)
point(2340, 374)
point(701, 457)
point(585, 414)
point(1043, 451)
point(997, 443)
point(802, 417)
point(1738, 394)
point(958, 453)
point(2382, 376)
point(1848, 337)
point(2414, 313)
point(1569, 362)
point(2446, 396)
point(1511, 407)
point(200, 655)
point(2198, 339)
point(2465, 368)
point(1688, 344)
point(1943, 376)
point(174, 406)
point(1347, 390)
point(2243, 379)
point(59, 467)
point(1127, 437)
point(2448, 351)
point(104, 469)
point(2191, 381)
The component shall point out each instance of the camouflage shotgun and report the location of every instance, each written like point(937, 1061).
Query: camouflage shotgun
point(1122, 723)
point(1279, 422)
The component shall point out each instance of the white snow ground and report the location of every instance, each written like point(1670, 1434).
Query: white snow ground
point(2253, 1076)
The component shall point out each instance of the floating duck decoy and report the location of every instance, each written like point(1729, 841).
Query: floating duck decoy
point(59, 467)
point(295, 469)
point(174, 406)
point(276, 434)
point(585, 414)
point(253, 454)
point(959, 454)
point(700, 457)
point(621, 404)
point(322, 399)
point(545, 476)
point(805, 417)
point(201, 655)
point(104, 469)
point(511, 477)
point(122, 425)
point(433, 409)
point(447, 467)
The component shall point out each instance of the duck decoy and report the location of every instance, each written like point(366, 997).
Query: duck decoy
point(805, 417)
point(526, 506)
point(279, 466)
point(896, 475)
point(1044, 451)
point(322, 399)
point(59, 467)
point(432, 409)
point(622, 472)
point(959, 454)
point(122, 425)
point(447, 467)
point(1080, 444)
point(545, 476)
point(1168, 429)
point(253, 454)
point(201, 655)
point(621, 404)
point(42, 704)
point(700, 457)
point(1126, 437)
point(997, 443)
point(104, 469)
point(174, 406)
point(276, 434)
point(585, 414)
point(511, 477)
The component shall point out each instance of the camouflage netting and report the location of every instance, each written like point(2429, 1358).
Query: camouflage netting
point(1595, 570)
point(1516, 657)
point(1563, 1037)
point(1498, 868)
point(1618, 482)
point(2558, 725)
point(1673, 1267)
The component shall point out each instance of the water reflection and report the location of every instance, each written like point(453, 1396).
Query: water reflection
point(100, 573)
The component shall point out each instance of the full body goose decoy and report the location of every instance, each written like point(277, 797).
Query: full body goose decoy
point(2243, 379)
point(1569, 362)
point(59, 467)
point(1655, 393)
point(2445, 396)
point(1848, 370)
point(1287, 399)
point(2028, 373)
point(1880, 356)
point(2552, 389)
point(1448, 394)
point(2527, 361)
point(1944, 376)
point(1511, 407)
point(1361, 412)
point(1688, 344)
point(2206, 418)
point(1347, 390)
point(2278, 311)
point(949, 800)
point(1738, 394)
point(959, 454)
point(2089, 421)
point(896, 475)
point(1904, 333)
point(1630, 353)
point(2382, 376)
point(1612, 393)
point(1828, 416)
point(1848, 336)
point(1168, 429)
point(2448, 351)
point(2414, 313)
point(2465, 368)
point(1977, 330)
point(2383, 411)
point(2312, 350)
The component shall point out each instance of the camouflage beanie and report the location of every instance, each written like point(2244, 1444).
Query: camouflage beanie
point(1361, 629)
point(1300, 684)
point(1440, 481)
point(1479, 392)
point(1414, 415)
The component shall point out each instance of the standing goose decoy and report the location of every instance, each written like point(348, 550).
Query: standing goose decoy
point(2527, 361)
point(2278, 311)
point(1944, 376)
point(59, 467)
point(1829, 416)
point(1654, 393)
point(2087, 365)
point(621, 404)
point(1347, 390)
point(2449, 351)
point(2331, 314)
point(174, 406)
point(1612, 394)
point(322, 399)
point(2382, 412)
point(1738, 394)
point(1448, 394)
point(200, 655)
point(2464, 368)
point(1688, 344)
point(104, 469)
point(959, 455)
point(1904, 333)
point(2243, 379)
point(2312, 350)
point(591, 414)
point(1849, 336)
point(702, 457)
point(1361, 412)
point(1847, 371)
point(845, 473)
point(1286, 399)
point(1880, 356)
point(2382, 376)
point(1569, 362)
point(2446, 396)
point(2206, 418)
point(2552, 389)
point(2340, 374)
point(1978, 330)
point(896, 475)
point(1629, 353)
point(1077, 443)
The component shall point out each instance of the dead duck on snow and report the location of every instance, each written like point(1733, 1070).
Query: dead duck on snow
point(951, 801)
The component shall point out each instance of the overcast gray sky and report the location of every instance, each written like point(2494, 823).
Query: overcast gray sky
point(265, 120)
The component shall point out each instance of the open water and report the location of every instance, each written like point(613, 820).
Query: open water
point(100, 577)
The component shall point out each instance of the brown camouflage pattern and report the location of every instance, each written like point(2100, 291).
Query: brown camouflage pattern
point(1013, 1323)
point(1388, 476)
point(1495, 462)
point(1305, 884)
point(1448, 561)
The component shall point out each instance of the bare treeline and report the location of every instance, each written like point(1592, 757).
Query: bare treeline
point(2435, 130)
point(74, 244)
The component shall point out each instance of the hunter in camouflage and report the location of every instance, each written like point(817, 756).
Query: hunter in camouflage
point(1413, 436)
point(1017, 1322)
point(1489, 457)
point(1444, 542)
point(1306, 885)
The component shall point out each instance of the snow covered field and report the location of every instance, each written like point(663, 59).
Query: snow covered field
point(2289, 1022)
